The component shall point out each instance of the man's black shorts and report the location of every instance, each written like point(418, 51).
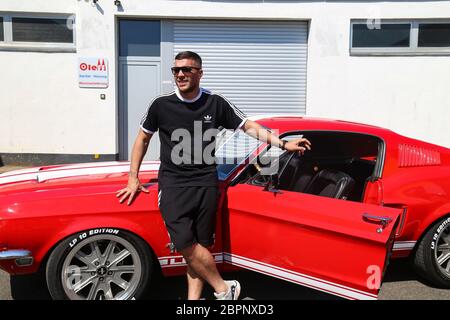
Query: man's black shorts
point(189, 214)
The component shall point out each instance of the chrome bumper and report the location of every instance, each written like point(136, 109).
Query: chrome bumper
point(23, 258)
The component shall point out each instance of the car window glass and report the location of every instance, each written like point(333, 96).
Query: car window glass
point(233, 148)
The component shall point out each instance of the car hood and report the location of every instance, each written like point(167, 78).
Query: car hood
point(74, 175)
point(70, 189)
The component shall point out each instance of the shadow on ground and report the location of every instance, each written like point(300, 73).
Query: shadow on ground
point(402, 270)
point(29, 287)
point(254, 286)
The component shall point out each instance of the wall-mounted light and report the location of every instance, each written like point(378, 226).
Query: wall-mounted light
point(116, 2)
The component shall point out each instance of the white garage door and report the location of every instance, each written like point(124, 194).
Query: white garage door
point(259, 66)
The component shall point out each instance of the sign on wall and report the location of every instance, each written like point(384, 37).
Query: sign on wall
point(93, 72)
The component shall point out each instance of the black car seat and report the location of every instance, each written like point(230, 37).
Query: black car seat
point(297, 174)
point(301, 182)
point(287, 177)
point(331, 183)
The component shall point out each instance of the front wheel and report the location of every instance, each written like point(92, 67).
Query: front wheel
point(99, 264)
point(432, 258)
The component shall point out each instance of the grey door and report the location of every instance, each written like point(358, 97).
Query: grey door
point(140, 83)
point(139, 80)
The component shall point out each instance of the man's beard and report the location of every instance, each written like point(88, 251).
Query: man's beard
point(188, 89)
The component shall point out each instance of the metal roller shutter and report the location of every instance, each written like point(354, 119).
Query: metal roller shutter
point(260, 66)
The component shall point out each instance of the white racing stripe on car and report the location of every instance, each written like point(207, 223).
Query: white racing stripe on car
point(275, 115)
point(277, 272)
point(62, 167)
point(404, 245)
point(20, 171)
point(43, 176)
point(178, 261)
point(76, 170)
point(302, 279)
point(18, 178)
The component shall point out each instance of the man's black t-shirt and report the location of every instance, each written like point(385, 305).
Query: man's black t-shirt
point(187, 130)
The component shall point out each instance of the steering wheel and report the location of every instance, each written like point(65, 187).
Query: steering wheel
point(261, 179)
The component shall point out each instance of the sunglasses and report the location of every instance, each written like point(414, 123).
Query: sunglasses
point(185, 70)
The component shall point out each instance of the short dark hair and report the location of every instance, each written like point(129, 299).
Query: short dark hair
point(189, 55)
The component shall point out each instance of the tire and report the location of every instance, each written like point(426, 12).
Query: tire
point(99, 264)
point(432, 257)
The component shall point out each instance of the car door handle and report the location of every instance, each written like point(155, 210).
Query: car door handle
point(384, 221)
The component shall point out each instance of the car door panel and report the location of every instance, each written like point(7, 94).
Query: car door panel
point(323, 243)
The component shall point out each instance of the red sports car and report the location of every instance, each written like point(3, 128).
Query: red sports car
point(329, 219)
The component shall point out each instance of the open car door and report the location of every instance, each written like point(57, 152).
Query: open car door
point(336, 246)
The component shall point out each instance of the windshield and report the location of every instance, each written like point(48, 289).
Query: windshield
point(234, 147)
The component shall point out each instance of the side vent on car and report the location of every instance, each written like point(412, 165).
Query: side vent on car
point(413, 156)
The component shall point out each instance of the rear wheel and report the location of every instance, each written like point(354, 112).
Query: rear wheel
point(432, 258)
point(99, 264)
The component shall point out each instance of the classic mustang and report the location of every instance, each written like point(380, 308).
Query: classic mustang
point(329, 219)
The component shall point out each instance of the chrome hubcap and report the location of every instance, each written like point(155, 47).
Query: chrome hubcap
point(442, 251)
point(105, 267)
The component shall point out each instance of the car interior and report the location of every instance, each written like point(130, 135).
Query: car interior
point(338, 165)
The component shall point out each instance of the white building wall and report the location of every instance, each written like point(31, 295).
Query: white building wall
point(408, 95)
point(44, 111)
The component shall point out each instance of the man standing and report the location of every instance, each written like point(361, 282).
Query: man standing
point(188, 190)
